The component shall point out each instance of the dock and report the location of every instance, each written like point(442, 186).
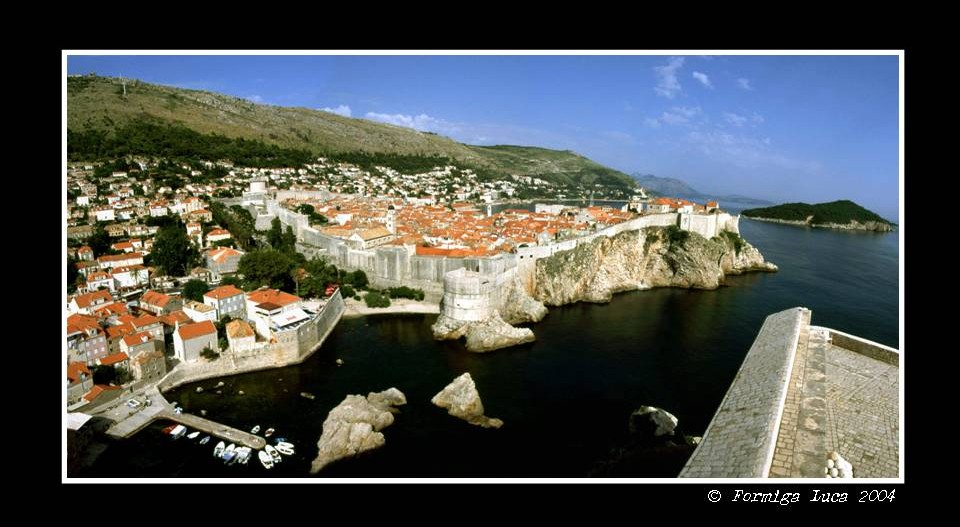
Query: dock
point(229, 434)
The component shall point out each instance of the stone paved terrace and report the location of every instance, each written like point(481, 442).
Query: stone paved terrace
point(740, 440)
point(848, 402)
point(838, 392)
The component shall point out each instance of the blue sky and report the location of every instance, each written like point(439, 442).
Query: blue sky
point(784, 128)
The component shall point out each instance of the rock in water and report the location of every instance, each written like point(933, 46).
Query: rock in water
point(462, 400)
point(487, 335)
point(651, 422)
point(354, 426)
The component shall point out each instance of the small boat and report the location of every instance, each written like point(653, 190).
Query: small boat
point(269, 432)
point(193, 435)
point(265, 459)
point(255, 429)
point(178, 431)
point(283, 443)
point(273, 453)
point(205, 440)
point(307, 395)
point(285, 449)
point(229, 455)
point(170, 428)
point(243, 454)
point(218, 450)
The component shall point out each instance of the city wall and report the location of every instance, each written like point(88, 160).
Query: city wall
point(393, 266)
point(291, 347)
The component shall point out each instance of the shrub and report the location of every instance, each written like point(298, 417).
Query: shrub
point(347, 291)
point(375, 299)
point(209, 354)
point(405, 292)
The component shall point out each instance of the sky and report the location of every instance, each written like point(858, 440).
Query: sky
point(782, 128)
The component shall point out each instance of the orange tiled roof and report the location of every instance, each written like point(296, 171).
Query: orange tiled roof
point(224, 291)
point(74, 369)
point(114, 358)
point(192, 331)
point(272, 296)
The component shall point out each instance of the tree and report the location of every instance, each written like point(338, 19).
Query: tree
point(194, 290)
point(275, 234)
point(268, 267)
point(99, 241)
point(173, 251)
point(231, 280)
point(375, 299)
point(72, 274)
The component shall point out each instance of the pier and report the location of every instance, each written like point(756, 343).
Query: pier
point(129, 422)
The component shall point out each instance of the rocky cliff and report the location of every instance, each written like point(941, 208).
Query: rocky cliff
point(853, 225)
point(495, 331)
point(461, 399)
point(641, 259)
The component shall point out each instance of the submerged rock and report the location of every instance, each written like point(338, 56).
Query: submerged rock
point(462, 400)
point(650, 421)
point(354, 425)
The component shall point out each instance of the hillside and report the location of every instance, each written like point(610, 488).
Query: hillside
point(836, 214)
point(98, 104)
point(667, 186)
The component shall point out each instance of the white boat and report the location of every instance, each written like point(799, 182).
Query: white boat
point(230, 454)
point(285, 449)
point(269, 432)
point(273, 453)
point(205, 440)
point(178, 431)
point(193, 435)
point(265, 459)
point(218, 450)
point(282, 443)
point(243, 454)
point(255, 429)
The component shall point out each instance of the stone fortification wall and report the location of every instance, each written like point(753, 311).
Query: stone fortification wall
point(741, 438)
point(291, 347)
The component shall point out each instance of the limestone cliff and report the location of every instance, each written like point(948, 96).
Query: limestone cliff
point(486, 335)
point(493, 330)
point(641, 259)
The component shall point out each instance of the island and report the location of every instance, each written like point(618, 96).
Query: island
point(842, 214)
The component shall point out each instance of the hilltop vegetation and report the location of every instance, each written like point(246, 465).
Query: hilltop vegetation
point(99, 116)
point(835, 212)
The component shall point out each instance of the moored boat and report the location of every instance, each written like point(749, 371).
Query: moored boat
point(285, 449)
point(218, 450)
point(255, 429)
point(205, 440)
point(273, 453)
point(178, 431)
point(265, 459)
point(269, 432)
point(243, 454)
point(230, 454)
point(193, 435)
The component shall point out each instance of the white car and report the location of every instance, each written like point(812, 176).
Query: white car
point(133, 403)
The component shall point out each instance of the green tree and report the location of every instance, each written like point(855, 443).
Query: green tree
point(231, 280)
point(209, 354)
point(194, 290)
point(99, 241)
point(173, 251)
point(72, 274)
point(275, 234)
point(375, 299)
point(268, 267)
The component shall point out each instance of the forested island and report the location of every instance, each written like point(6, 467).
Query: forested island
point(842, 214)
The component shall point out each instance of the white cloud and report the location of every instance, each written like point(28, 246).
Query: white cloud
point(422, 122)
point(745, 83)
point(703, 79)
point(667, 84)
point(343, 110)
point(734, 119)
point(674, 116)
point(254, 98)
point(747, 152)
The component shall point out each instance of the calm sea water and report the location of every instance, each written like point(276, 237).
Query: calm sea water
point(565, 398)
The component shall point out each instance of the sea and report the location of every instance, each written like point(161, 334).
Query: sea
point(564, 399)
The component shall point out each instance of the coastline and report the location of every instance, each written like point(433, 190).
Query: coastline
point(853, 226)
point(400, 306)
